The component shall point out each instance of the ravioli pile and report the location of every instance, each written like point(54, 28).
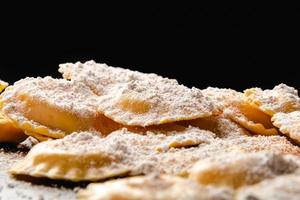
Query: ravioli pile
point(142, 136)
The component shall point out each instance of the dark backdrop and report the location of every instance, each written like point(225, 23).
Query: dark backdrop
point(201, 46)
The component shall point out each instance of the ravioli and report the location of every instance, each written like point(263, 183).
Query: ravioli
point(102, 122)
point(141, 103)
point(288, 124)
point(153, 187)
point(281, 98)
point(236, 168)
point(237, 109)
point(71, 158)
point(139, 99)
point(8, 132)
point(53, 107)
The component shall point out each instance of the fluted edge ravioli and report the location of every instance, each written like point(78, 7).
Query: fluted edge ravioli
point(135, 98)
point(51, 107)
point(234, 106)
point(72, 158)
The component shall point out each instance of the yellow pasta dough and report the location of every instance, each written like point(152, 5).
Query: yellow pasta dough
point(251, 118)
point(3, 85)
point(8, 132)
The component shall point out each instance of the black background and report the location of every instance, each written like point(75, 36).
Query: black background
point(223, 46)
